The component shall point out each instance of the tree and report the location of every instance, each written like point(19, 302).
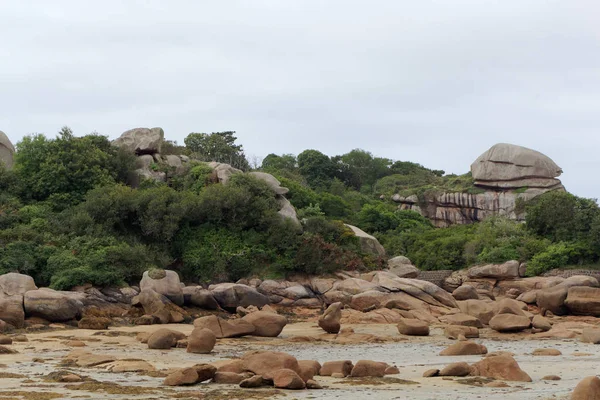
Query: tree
point(316, 167)
point(65, 168)
point(219, 147)
point(273, 162)
point(364, 169)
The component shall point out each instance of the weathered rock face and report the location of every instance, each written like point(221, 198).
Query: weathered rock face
point(141, 140)
point(509, 166)
point(507, 173)
point(7, 151)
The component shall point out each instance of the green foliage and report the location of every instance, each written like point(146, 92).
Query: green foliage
point(67, 218)
point(63, 169)
point(316, 167)
point(273, 162)
point(222, 255)
point(556, 255)
point(219, 147)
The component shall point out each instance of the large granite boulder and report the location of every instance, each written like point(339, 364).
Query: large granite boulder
point(52, 305)
point(287, 211)
point(501, 366)
point(197, 296)
point(402, 267)
point(141, 140)
point(508, 270)
point(11, 310)
point(510, 166)
point(583, 300)
point(271, 181)
point(266, 323)
point(7, 151)
point(223, 171)
point(157, 305)
point(230, 296)
point(330, 320)
point(223, 328)
point(587, 389)
point(422, 290)
point(368, 244)
point(165, 282)
point(16, 284)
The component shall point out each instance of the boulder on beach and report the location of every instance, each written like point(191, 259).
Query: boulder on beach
point(330, 320)
point(465, 348)
point(501, 366)
point(587, 389)
point(413, 327)
point(52, 305)
point(266, 323)
point(164, 282)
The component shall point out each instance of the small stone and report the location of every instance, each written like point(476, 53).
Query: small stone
point(5, 339)
point(546, 352)
point(497, 384)
point(70, 378)
point(20, 338)
point(75, 343)
point(430, 373)
point(253, 382)
point(312, 384)
point(551, 378)
point(287, 379)
point(456, 369)
point(392, 370)
point(185, 376)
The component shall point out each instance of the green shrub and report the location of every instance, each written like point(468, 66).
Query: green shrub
point(555, 256)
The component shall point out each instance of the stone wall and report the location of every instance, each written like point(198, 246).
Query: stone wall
point(435, 277)
point(566, 273)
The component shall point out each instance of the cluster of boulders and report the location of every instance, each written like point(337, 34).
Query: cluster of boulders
point(23, 304)
point(278, 369)
point(576, 295)
point(505, 174)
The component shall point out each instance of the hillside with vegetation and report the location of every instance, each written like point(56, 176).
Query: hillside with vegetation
point(72, 212)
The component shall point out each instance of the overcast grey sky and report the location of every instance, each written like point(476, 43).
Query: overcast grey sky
point(434, 82)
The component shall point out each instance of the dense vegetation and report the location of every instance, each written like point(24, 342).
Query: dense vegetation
point(68, 216)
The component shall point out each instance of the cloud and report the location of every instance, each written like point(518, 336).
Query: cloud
point(434, 82)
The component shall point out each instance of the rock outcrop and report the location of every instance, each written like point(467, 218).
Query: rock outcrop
point(505, 175)
point(508, 166)
point(7, 151)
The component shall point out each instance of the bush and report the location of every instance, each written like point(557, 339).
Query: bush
point(555, 256)
point(65, 168)
point(219, 254)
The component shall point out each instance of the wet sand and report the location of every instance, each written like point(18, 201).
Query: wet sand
point(411, 355)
